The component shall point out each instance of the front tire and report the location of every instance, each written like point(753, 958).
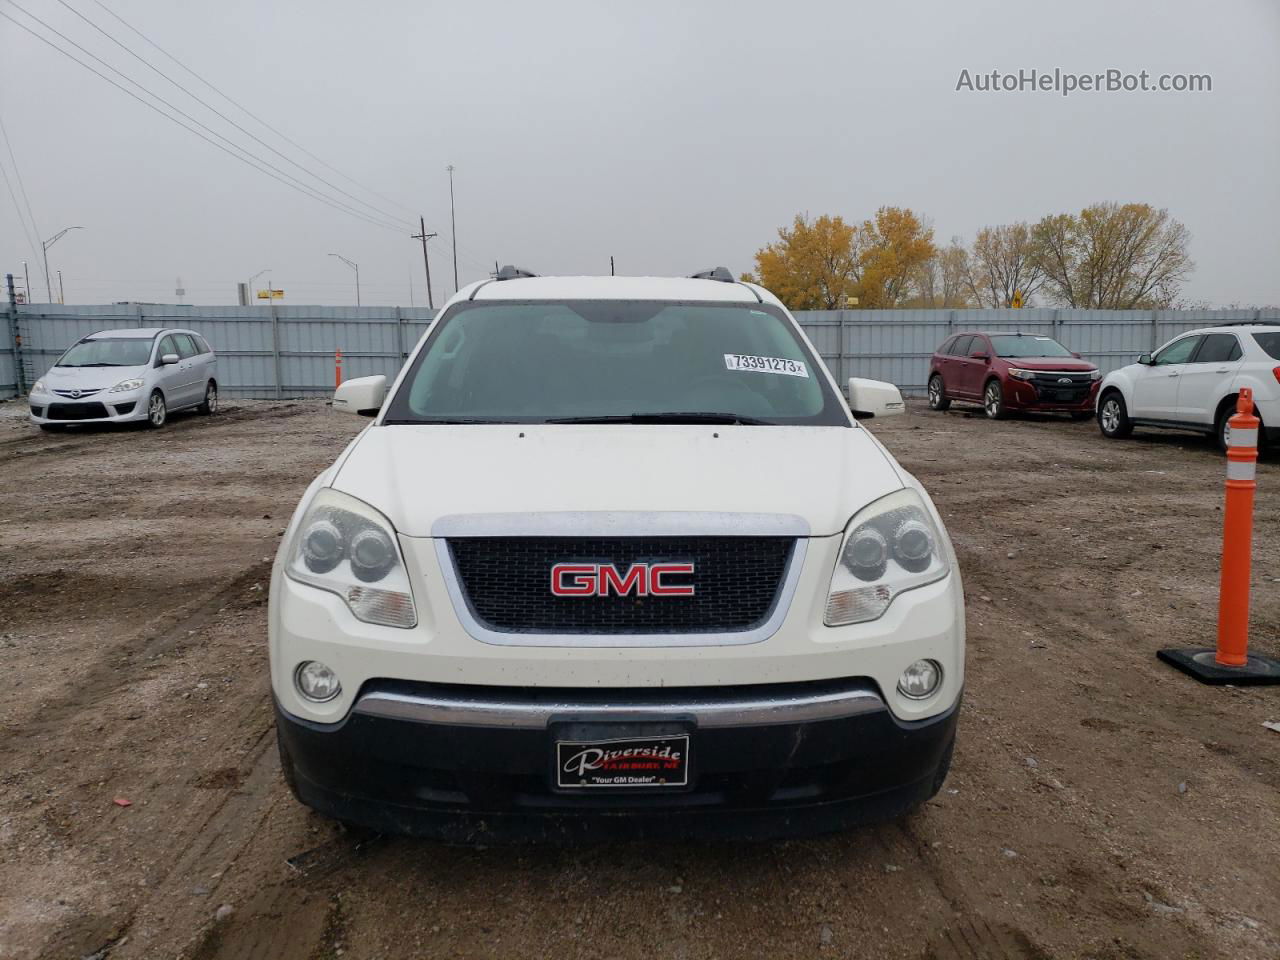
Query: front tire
point(1222, 427)
point(157, 411)
point(993, 400)
point(1113, 417)
point(210, 405)
point(938, 399)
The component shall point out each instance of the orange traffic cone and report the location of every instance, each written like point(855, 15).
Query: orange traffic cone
point(1231, 662)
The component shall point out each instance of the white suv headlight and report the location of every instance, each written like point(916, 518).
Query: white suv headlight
point(889, 547)
point(345, 546)
point(38, 387)
point(126, 385)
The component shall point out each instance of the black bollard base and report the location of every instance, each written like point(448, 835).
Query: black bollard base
point(1200, 663)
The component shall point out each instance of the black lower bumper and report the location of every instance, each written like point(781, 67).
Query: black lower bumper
point(472, 784)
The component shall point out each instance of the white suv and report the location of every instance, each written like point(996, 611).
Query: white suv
point(614, 554)
point(1191, 383)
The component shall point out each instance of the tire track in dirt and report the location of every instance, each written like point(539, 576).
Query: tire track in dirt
point(16, 449)
point(116, 666)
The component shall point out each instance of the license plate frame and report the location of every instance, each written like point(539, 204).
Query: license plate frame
point(621, 760)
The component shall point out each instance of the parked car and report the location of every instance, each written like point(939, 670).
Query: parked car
point(1191, 383)
point(613, 555)
point(1012, 371)
point(121, 376)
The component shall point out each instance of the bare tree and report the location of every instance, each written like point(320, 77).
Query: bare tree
point(942, 280)
point(1113, 256)
point(1003, 262)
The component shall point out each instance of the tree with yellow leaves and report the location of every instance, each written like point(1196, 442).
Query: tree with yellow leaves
point(820, 264)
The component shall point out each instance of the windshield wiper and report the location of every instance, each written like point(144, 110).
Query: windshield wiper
point(664, 417)
point(436, 421)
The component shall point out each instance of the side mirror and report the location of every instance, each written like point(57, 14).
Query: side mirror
point(874, 398)
point(1146, 360)
point(978, 355)
point(363, 396)
point(169, 358)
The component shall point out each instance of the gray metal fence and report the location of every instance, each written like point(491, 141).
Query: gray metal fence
point(895, 345)
point(289, 351)
point(262, 351)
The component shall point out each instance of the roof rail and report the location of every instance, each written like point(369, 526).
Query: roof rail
point(1250, 323)
point(721, 274)
point(512, 273)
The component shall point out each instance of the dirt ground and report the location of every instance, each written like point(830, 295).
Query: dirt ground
point(1101, 805)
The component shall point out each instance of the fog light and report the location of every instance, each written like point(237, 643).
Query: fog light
point(316, 682)
point(921, 679)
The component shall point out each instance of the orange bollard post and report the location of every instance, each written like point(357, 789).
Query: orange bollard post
point(337, 369)
point(1231, 662)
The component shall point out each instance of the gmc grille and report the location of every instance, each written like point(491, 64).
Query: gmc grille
point(507, 583)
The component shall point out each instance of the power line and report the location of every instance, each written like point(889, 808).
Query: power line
point(249, 112)
point(34, 236)
point(26, 231)
point(291, 182)
point(215, 110)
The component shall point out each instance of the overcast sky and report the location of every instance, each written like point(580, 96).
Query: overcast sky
point(672, 138)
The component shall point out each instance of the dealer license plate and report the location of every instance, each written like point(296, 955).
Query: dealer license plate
point(661, 761)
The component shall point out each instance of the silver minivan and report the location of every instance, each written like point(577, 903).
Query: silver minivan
point(120, 376)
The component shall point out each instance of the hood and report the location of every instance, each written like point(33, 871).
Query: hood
point(417, 474)
point(1050, 363)
point(89, 378)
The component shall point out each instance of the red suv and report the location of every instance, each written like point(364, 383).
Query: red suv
point(1012, 371)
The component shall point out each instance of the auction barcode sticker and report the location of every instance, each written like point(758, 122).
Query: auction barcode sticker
point(788, 368)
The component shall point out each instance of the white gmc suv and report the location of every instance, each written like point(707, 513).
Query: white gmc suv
point(1191, 383)
point(613, 555)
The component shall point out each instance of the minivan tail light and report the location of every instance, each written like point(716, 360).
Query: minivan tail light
point(1276, 373)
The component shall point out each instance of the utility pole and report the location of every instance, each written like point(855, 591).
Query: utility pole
point(424, 237)
point(26, 277)
point(44, 248)
point(15, 337)
point(611, 265)
point(453, 219)
point(61, 295)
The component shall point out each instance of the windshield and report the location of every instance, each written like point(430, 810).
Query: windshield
point(567, 361)
point(1009, 345)
point(1269, 342)
point(107, 352)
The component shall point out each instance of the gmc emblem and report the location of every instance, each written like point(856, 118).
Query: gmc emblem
point(601, 579)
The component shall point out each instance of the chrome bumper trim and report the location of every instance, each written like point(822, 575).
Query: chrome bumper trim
point(705, 711)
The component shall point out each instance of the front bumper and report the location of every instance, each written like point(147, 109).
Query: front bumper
point(101, 407)
point(1022, 395)
point(470, 765)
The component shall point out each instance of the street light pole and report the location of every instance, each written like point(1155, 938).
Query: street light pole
point(62, 297)
point(253, 278)
point(44, 249)
point(354, 266)
point(26, 277)
point(453, 220)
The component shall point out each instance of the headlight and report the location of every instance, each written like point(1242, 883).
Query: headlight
point(890, 547)
point(126, 385)
point(345, 546)
point(38, 387)
point(1095, 374)
point(1019, 374)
